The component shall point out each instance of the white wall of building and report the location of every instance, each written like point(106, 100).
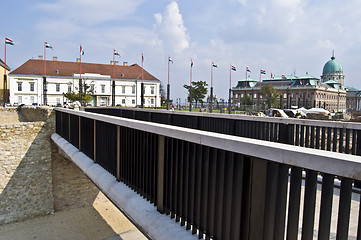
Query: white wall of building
point(125, 95)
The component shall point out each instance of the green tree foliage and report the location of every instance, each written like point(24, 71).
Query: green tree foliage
point(199, 91)
point(270, 96)
point(86, 96)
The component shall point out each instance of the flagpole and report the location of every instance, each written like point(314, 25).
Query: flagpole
point(211, 103)
point(168, 87)
point(142, 87)
point(230, 91)
point(259, 92)
point(45, 97)
point(281, 99)
point(80, 79)
point(113, 83)
point(190, 89)
point(5, 78)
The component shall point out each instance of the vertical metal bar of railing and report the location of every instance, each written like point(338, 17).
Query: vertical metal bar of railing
point(294, 203)
point(204, 191)
point(161, 171)
point(334, 141)
point(323, 138)
point(343, 220)
point(220, 192)
point(191, 185)
point(318, 140)
point(326, 207)
point(309, 205)
point(227, 199)
point(197, 189)
point(341, 145)
point(312, 133)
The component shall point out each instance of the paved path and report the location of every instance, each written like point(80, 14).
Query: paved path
point(81, 211)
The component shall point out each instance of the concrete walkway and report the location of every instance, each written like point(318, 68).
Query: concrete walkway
point(81, 211)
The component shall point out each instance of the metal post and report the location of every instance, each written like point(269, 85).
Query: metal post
point(113, 93)
point(95, 140)
point(190, 98)
point(81, 91)
point(160, 180)
point(79, 133)
point(229, 102)
point(168, 92)
point(5, 87)
point(211, 103)
point(142, 95)
point(45, 100)
point(118, 154)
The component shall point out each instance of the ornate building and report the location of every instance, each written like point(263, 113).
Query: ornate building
point(299, 91)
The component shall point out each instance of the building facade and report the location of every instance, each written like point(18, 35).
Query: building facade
point(299, 91)
point(4, 83)
point(27, 83)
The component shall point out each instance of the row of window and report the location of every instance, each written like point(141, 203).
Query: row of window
point(57, 88)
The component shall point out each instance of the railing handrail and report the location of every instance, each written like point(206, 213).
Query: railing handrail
point(342, 165)
point(300, 121)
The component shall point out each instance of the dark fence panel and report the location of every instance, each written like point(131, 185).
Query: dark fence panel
point(87, 136)
point(106, 146)
point(74, 130)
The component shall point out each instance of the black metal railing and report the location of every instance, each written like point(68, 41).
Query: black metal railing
point(317, 134)
point(219, 190)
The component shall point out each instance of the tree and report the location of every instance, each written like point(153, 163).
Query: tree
point(86, 95)
point(162, 92)
point(199, 91)
point(270, 96)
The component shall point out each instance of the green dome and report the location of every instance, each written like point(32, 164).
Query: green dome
point(332, 66)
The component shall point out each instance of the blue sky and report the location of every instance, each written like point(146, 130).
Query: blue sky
point(279, 36)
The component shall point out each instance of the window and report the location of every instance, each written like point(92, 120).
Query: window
point(103, 88)
point(123, 101)
point(151, 90)
point(255, 95)
point(31, 87)
point(32, 99)
point(242, 95)
point(20, 99)
point(152, 101)
point(58, 100)
point(20, 87)
point(57, 87)
point(236, 95)
point(69, 88)
point(133, 101)
point(92, 88)
point(133, 89)
point(123, 89)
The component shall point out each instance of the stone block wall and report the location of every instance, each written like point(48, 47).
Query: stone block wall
point(25, 169)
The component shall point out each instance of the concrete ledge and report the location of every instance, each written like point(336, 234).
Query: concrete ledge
point(141, 212)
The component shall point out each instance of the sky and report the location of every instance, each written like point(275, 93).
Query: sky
point(279, 36)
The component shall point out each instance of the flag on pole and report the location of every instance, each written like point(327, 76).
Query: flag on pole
point(233, 68)
point(247, 69)
point(116, 53)
point(300, 82)
point(307, 84)
point(263, 71)
point(9, 41)
point(191, 63)
point(47, 45)
point(170, 59)
point(81, 50)
point(284, 77)
point(271, 75)
point(214, 65)
point(142, 58)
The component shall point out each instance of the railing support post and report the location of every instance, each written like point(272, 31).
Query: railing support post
point(79, 133)
point(95, 140)
point(69, 127)
point(118, 153)
point(160, 180)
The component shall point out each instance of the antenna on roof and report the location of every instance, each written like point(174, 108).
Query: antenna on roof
point(333, 54)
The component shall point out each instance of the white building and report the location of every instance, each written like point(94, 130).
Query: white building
point(27, 83)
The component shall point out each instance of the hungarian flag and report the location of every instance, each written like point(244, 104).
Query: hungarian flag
point(9, 41)
point(300, 82)
point(191, 63)
point(142, 58)
point(170, 59)
point(263, 71)
point(214, 65)
point(247, 69)
point(116, 53)
point(233, 68)
point(307, 84)
point(81, 50)
point(284, 77)
point(47, 45)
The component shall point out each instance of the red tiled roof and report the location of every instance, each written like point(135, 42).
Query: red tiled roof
point(36, 67)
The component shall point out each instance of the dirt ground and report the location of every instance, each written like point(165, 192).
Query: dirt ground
point(81, 211)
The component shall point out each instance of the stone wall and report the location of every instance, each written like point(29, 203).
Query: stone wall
point(25, 167)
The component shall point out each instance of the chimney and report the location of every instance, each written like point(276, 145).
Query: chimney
point(40, 57)
point(116, 62)
point(55, 59)
point(111, 63)
point(125, 63)
point(78, 60)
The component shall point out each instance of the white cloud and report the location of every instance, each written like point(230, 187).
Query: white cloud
point(171, 28)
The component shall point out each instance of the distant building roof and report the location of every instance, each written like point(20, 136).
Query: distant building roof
point(3, 65)
point(61, 68)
